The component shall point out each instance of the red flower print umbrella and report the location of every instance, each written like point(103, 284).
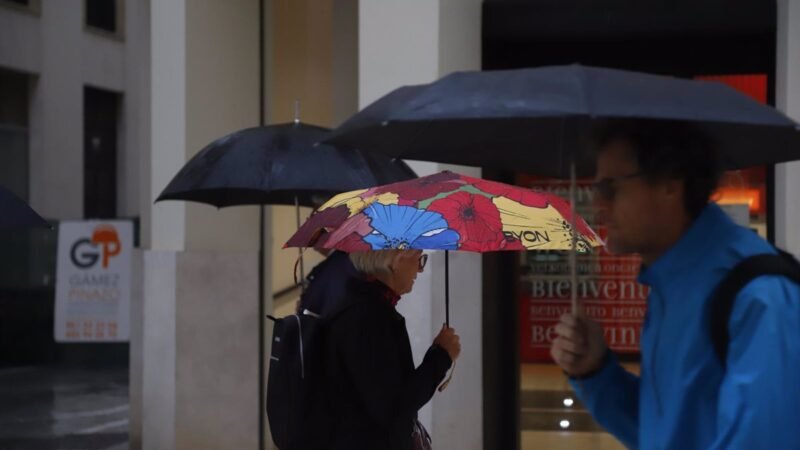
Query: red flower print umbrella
point(445, 211)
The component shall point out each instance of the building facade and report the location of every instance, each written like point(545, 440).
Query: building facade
point(103, 102)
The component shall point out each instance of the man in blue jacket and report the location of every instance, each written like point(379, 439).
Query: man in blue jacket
point(654, 181)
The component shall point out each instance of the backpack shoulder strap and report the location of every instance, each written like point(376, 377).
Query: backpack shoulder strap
point(782, 264)
point(347, 305)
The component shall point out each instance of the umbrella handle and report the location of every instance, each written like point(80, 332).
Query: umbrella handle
point(447, 288)
point(446, 382)
point(449, 378)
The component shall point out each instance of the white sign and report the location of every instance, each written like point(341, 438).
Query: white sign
point(93, 281)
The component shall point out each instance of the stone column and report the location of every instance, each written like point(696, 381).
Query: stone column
point(787, 96)
point(196, 349)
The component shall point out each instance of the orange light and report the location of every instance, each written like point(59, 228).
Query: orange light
point(738, 196)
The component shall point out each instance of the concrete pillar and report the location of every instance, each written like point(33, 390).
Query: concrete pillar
point(56, 149)
point(197, 345)
point(135, 120)
point(787, 95)
point(410, 42)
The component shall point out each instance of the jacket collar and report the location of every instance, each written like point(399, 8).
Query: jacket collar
point(711, 226)
point(380, 290)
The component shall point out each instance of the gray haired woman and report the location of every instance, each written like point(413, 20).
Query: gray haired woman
point(374, 389)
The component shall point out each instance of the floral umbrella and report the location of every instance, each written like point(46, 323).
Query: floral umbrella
point(445, 211)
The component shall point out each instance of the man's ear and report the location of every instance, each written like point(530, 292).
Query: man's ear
point(674, 188)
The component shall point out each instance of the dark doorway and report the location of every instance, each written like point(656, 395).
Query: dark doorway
point(102, 14)
point(100, 120)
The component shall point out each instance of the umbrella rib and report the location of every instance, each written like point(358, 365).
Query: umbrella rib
point(511, 213)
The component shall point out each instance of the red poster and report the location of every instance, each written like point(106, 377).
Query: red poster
point(607, 289)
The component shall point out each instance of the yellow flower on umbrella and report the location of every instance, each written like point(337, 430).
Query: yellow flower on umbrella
point(356, 203)
point(541, 228)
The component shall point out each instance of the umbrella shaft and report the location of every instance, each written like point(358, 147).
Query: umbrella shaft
point(261, 331)
point(300, 249)
point(573, 255)
point(447, 288)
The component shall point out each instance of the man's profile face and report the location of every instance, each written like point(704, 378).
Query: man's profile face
point(631, 207)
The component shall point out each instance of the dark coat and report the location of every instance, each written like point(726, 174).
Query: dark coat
point(328, 284)
point(374, 389)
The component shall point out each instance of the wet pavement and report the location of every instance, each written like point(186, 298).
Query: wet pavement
point(49, 408)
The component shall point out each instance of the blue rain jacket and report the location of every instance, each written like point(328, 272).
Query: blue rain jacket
point(684, 398)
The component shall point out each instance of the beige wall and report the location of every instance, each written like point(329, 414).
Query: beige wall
point(216, 357)
point(302, 61)
point(312, 59)
point(345, 52)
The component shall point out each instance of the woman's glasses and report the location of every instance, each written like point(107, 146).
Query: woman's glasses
point(423, 259)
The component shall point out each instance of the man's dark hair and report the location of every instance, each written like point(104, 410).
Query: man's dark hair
point(668, 150)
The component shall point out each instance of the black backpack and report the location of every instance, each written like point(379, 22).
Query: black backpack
point(783, 264)
point(296, 398)
point(298, 407)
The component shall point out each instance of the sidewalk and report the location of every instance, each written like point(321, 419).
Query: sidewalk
point(50, 408)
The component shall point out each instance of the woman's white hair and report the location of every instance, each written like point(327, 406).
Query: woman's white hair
point(378, 262)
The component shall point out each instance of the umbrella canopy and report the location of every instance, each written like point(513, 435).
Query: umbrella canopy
point(16, 213)
point(501, 118)
point(445, 211)
point(278, 164)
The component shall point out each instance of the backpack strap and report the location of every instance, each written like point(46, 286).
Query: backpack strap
point(347, 305)
point(781, 264)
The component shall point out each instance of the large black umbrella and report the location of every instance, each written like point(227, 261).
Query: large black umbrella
point(16, 213)
point(539, 120)
point(279, 165)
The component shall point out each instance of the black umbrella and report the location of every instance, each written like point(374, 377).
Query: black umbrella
point(539, 120)
point(279, 165)
point(16, 213)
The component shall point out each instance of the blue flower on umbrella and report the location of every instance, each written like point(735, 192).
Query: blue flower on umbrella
point(406, 227)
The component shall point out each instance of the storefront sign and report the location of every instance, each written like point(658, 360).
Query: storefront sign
point(93, 278)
